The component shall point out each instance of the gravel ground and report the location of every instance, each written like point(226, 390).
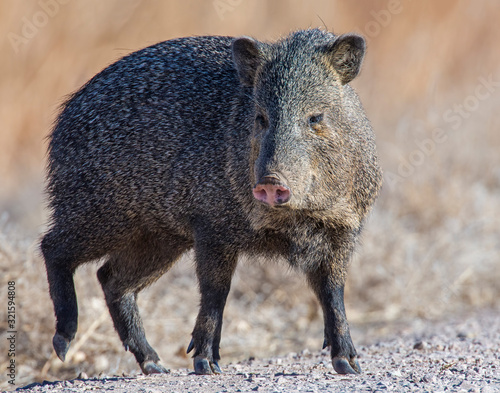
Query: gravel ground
point(460, 354)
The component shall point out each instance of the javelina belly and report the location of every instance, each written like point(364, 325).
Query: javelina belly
point(225, 145)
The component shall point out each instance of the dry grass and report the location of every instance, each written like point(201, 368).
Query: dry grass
point(431, 246)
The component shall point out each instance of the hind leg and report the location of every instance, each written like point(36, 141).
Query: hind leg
point(122, 277)
point(62, 256)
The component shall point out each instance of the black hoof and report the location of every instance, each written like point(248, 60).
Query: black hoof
point(215, 368)
point(325, 344)
point(203, 366)
point(342, 366)
point(190, 346)
point(149, 367)
point(61, 346)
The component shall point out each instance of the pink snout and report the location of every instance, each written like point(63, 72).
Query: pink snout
point(271, 193)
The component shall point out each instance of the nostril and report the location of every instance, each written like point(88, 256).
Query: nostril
point(282, 195)
point(260, 193)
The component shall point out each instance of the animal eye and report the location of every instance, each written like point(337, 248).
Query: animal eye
point(260, 121)
point(315, 119)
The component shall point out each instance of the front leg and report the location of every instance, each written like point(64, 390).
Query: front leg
point(329, 288)
point(215, 266)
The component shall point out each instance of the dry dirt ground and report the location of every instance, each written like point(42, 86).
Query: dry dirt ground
point(460, 354)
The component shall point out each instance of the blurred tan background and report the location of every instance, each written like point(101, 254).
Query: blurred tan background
point(431, 86)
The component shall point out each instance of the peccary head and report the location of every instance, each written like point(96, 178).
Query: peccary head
point(312, 146)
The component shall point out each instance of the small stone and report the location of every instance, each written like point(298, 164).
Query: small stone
point(395, 373)
point(428, 378)
point(467, 386)
point(82, 375)
point(420, 345)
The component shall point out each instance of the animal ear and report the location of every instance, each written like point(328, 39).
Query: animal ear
point(246, 57)
point(345, 55)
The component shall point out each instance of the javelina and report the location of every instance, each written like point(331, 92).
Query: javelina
point(226, 145)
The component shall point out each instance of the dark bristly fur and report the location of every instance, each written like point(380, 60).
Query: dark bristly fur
point(159, 153)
